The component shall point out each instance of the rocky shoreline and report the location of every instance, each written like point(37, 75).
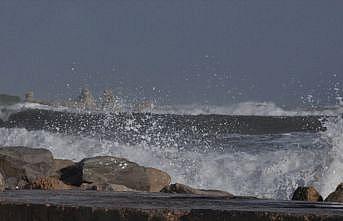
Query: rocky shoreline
point(32, 168)
point(24, 171)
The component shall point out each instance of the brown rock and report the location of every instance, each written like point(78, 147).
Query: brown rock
point(337, 195)
point(307, 194)
point(48, 183)
point(20, 165)
point(59, 164)
point(183, 189)
point(113, 170)
point(106, 187)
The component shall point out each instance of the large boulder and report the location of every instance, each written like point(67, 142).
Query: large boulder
point(183, 189)
point(60, 164)
point(21, 165)
point(2, 183)
point(337, 195)
point(113, 170)
point(307, 194)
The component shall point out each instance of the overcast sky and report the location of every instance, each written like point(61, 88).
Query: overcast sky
point(217, 52)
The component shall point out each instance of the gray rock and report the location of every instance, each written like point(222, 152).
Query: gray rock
point(20, 165)
point(183, 189)
point(307, 194)
point(337, 195)
point(113, 170)
point(59, 164)
point(2, 183)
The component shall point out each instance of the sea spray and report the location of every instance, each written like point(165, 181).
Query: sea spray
point(264, 165)
point(243, 108)
point(333, 173)
point(269, 166)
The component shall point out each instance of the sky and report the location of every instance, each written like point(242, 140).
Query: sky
point(176, 52)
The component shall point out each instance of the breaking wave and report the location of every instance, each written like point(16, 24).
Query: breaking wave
point(243, 108)
point(264, 165)
point(247, 109)
point(269, 166)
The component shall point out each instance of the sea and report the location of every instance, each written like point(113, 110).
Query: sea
point(247, 149)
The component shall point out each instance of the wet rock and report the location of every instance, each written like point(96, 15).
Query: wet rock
point(106, 187)
point(2, 182)
point(337, 195)
point(183, 189)
point(48, 183)
point(113, 170)
point(59, 164)
point(307, 194)
point(21, 165)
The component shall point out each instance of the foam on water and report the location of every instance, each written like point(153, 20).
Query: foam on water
point(266, 166)
point(246, 108)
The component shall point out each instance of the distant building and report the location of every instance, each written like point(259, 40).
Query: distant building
point(29, 97)
point(110, 102)
point(86, 99)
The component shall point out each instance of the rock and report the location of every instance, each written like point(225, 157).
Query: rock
point(2, 183)
point(307, 194)
point(21, 165)
point(337, 195)
point(183, 189)
point(106, 187)
point(48, 183)
point(113, 170)
point(59, 164)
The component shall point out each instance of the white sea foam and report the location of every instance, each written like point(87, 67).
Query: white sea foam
point(274, 171)
point(6, 111)
point(333, 174)
point(246, 108)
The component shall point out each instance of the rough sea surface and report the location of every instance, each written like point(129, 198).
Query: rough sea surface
point(260, 150)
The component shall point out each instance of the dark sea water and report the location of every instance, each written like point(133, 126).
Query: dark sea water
point(246, 150)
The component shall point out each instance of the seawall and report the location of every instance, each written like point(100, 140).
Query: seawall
point(36, 205)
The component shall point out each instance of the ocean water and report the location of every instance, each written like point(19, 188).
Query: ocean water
point(264, 164)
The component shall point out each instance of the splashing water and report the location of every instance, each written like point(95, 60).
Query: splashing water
point(269, 166)
point(334, 170)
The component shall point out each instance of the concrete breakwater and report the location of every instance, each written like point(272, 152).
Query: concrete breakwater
point(72, 205)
